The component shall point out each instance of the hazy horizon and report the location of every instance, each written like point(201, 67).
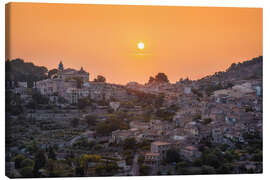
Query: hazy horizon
point(179, 41)
point(91, 78)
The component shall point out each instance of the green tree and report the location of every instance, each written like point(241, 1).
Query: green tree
point(27, 172)
point(211, 159)
point(151, 80)
point(197, 162)
point(129, 143)
point(50, 166)
point(172, 156)
point(182, 167)
point(27, 163)
point(228, 156)
point(83, 103)
point(196, 92)
point(208, 170)
point(100, 169)
point(100, 79)
point(40, 161)
point(226, 168)
point(140, 159)
point(79, 171)
point(84, 159)
point(197, 117)
point(181, 164)
point(20, 71)
point(161, 77)
point(111, 124)
point(144, 170)
point(207, 121)
point(194, 170)
point(32, 148)
point(183, 171)
point(52, 72)
point(51, 154)
point(18, 159)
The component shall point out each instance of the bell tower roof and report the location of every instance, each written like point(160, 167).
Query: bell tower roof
point(61, 66)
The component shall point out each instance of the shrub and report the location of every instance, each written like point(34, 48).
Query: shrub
point(194, 170)
point(208, 170)
point(144, 170)
point(27, 172)
point(197, 117)
point(172, 156)
point(18, 159)
point(196, 92)
point(129, 143)
point(226, 168)
point(207, 121)
point(27, 163)
point(181, 165)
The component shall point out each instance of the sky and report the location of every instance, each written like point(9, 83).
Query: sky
point(179, 41)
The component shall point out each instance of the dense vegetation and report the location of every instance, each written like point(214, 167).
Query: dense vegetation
point(159, 78)
point(17, 70)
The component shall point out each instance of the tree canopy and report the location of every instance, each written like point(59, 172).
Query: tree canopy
point(19, 71)
point(100, 78)
point(52, 72)
point(161, 77)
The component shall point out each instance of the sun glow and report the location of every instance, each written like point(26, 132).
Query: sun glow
point(140, 45)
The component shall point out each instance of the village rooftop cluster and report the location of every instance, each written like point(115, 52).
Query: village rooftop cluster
point(66, 125)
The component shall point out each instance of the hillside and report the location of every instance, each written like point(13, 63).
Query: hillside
point(18, 70)
point(247, 70)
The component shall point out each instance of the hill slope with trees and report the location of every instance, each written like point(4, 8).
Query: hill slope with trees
point(19, 71)
point(247, 70)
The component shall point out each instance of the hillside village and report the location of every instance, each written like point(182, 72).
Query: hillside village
point(59, 123)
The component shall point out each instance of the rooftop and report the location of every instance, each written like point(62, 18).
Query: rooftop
point(160, 143)
point(190, 148)
point(152, 154)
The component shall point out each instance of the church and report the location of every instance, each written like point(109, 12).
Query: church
point(69, 73)
point(64, 83)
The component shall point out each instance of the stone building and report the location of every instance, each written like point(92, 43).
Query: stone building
point(64, 84)
point(119, 136)
point(69, 73)
point(74, 94)
point(160, 147)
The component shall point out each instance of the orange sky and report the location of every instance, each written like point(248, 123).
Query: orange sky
point(179, 41)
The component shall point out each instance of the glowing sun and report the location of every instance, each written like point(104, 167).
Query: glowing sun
point(140, 45)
